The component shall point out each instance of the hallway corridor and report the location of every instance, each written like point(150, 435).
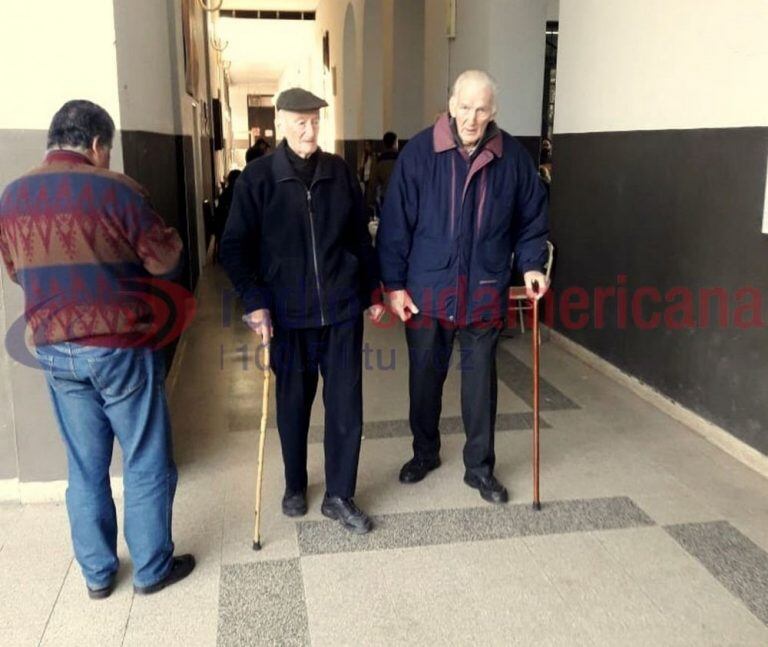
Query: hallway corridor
point(648, 534)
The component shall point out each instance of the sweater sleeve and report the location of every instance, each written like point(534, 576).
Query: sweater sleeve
point(5, 252)
point(158, 246)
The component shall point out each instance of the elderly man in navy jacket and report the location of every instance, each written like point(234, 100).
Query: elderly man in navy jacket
point(464, 197)
point(298, 252)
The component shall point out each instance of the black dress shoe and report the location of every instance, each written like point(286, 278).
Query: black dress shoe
point(490, 489)
point(182, 566)
point(295, 503)
point(103, 592)
point(417, 468)
point(346, 512)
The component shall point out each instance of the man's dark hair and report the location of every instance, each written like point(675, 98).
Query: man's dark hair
point(259, 149)
point(389, 139)
point(76, 124)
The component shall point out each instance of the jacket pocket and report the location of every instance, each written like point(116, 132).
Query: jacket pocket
point(495, 255)
point(345, 272)
point(430, 254)
point(271, 273)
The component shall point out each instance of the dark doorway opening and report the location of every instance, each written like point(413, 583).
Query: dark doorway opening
point(261, 119)
point(548, 102)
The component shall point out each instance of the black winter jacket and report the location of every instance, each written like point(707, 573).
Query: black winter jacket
point(305, 254)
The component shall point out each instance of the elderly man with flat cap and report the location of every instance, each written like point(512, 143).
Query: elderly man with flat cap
point(297, 249)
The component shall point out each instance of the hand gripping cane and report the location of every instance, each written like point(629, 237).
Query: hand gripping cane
point(262, 435)
point(535, 338)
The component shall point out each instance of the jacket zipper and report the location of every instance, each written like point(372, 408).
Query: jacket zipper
point(314, 254)
point(455, 318)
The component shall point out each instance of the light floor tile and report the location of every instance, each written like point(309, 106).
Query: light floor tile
point(78, 621)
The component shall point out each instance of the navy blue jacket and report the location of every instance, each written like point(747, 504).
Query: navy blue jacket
point(451, 224)
point(305, 254)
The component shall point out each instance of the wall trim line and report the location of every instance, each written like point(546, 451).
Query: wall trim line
point(628, 131)
point(11, 490)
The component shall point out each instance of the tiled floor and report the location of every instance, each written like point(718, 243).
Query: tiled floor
point(648, 535)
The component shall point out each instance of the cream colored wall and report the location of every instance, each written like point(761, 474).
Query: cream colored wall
point(330, 15)
point(39, 81)
point(144, 66)
point(42, 78)
point(653, 64)
point(503, 37)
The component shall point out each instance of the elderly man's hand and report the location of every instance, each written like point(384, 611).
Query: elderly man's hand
point(402, 304)
point(260, 322)
point(376, 312)
point(535, 277)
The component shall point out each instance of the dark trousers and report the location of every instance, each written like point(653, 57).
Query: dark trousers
point(297, 356)
point(430, 343)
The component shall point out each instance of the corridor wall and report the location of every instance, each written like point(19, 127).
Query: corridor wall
point(504, 37)
point(45, 67)
point(132, 64)
point(658, 196)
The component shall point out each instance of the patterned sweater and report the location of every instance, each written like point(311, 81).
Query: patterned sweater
point(84, 242)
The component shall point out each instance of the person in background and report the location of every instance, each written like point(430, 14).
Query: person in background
point(381, 172)
point(222, 211)
point(260, 148)
point(545, 162)
point(365, 168)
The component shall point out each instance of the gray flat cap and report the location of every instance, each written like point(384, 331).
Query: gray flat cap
point(299, 100)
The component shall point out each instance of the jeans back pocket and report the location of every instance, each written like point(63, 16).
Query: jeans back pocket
point(120, 373)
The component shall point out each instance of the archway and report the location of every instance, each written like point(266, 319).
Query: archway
point(351, 86)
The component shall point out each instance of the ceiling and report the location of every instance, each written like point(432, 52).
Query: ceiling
point(260, 50)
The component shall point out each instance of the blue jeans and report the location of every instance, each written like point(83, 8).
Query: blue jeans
point(99, 394)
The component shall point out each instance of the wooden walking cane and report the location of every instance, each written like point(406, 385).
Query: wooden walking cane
point(262, 435)
point(536, 457)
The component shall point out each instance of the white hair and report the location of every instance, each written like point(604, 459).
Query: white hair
point(477, 76)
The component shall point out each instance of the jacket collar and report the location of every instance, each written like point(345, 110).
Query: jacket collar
point(443, 140)
point(59, 155)
point(284, 171)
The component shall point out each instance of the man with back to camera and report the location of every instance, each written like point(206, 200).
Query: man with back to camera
point(464, 196)
point(297, 250)
point(72, 233)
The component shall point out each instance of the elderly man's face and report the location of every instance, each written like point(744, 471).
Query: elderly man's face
point(301, 130)
point(472, 107)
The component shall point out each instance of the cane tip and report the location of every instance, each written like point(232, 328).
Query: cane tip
point(256, 545)
point(537, 505)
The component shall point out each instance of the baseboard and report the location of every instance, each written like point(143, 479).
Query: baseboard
point(9, 490)
point(716, 435)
